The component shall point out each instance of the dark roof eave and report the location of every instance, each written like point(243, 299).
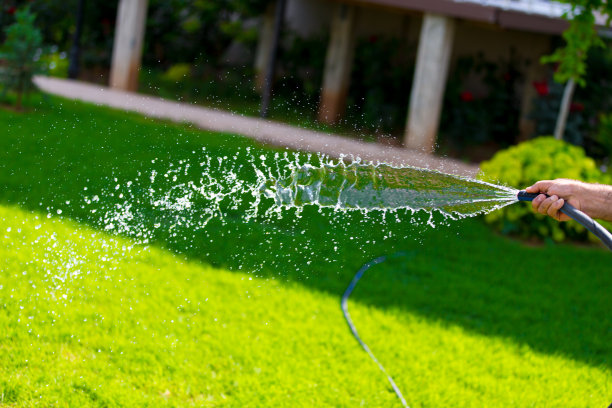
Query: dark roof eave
point(531, 22)
point(450, 8)
point(476, 12)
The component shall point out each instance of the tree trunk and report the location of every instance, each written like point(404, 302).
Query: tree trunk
point(564, 109)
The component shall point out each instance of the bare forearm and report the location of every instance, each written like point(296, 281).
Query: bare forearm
point(599, 201)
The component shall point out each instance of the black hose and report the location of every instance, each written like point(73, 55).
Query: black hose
point(567, 209)
point(344, 304)
point(577, 215)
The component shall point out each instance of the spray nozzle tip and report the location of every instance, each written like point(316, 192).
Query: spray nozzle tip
point(525, 196)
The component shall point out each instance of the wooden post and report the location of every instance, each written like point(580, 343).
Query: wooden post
point(127, 46)
point(433, 57)
point(338, 63)
point(264, 46)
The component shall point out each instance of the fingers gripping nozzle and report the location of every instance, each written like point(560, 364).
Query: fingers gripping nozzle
point(572, 212)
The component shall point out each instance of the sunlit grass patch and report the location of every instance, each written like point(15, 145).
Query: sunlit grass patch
point(248, 314)
point(139, 326)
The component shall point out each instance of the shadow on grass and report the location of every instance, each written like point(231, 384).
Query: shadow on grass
point(553, 299)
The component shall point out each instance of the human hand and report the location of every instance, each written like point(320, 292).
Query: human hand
point(559, 191)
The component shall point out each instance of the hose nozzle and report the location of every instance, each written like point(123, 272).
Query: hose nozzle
point(572, 212)
point(525, 196)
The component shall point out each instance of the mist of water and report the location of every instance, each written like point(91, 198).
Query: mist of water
point(382, 187)
point(246, 211)
point(189, 194)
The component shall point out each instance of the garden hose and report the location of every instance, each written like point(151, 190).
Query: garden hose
point(577, 215)
point(587, 222)
point(344, 305)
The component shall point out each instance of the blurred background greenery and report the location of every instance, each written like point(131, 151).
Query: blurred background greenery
point(185, 59)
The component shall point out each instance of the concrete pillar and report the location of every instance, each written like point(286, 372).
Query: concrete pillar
point(127, 46)
point(433, 57)
point(338, 64)
point(264, 45)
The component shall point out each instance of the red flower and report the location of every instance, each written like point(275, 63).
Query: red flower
point(466, 96)
point(541, 87)
point(576, 107)
point(11, 10)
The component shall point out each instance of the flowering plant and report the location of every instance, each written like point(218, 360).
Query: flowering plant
point(546, 110)
point(485, 116)
point(541, 87)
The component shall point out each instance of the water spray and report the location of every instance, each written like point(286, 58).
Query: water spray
point(174, 200)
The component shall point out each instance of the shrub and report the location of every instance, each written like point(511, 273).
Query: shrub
point(545, 112)
point(488, 115)
point(21, 55)
point(380, 83)
point(604, 133)
point(301, 64)
point(56, 63)
point(542, 158)
point(178, 72)
point(589, 103)
point(197, 31)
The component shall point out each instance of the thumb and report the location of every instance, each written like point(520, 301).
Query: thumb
point(539, 187)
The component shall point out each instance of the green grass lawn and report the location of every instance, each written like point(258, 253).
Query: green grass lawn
point(247, 314)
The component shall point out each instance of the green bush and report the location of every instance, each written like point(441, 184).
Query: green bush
point(542, 158)
point(56, 63)
point(178, 72)
point(489, 115)
point(301, 68)
point(381, 77)
point(604, 133)
point(546, 111)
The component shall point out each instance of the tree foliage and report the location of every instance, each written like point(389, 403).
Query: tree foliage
point(579, 37)
point(197, 30)
point(21, 54)
point(176, 30)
